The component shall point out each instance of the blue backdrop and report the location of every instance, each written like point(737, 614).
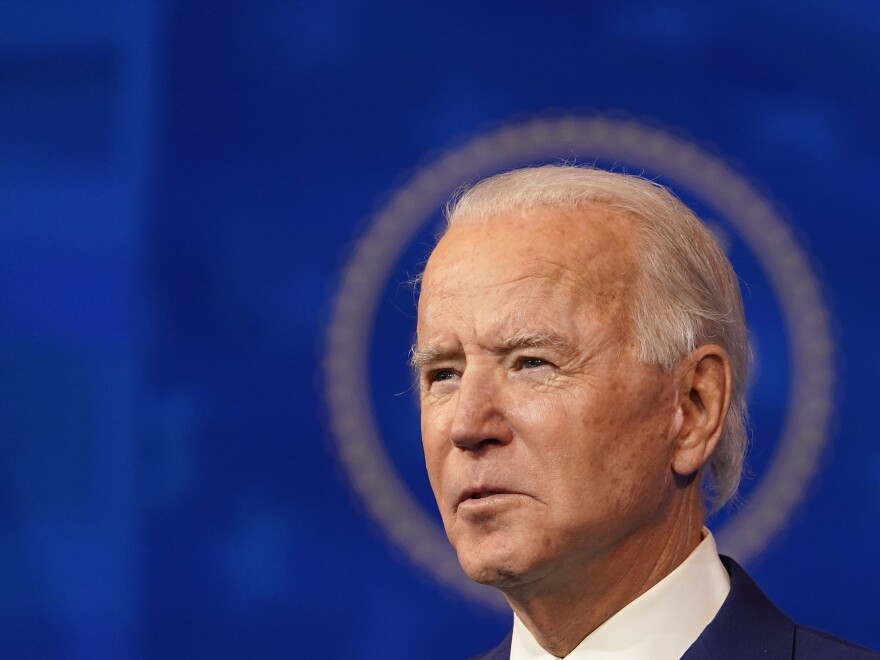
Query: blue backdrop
point(207, 215)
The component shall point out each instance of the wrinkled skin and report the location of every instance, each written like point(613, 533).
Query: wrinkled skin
point(564, 469)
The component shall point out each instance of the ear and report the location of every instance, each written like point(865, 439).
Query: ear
point(706, 382)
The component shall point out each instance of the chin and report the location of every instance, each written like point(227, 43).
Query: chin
point(497, 577)
point(494, 569)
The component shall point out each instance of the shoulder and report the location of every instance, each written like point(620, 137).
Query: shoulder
point(500, 652)
point(749, 625)
point(810, 644)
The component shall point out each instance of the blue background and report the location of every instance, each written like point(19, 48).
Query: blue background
point(180, 187)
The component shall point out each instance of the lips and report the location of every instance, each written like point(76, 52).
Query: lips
point(482, 492)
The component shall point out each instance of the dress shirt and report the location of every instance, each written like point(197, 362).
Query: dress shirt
point(661, 624)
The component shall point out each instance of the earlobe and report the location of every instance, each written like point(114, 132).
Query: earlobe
point(704, 398)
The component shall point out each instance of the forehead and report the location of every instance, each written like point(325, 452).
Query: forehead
point(569, 271)
point(570, 257)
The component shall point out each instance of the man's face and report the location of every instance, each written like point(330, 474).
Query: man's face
point(547, 444)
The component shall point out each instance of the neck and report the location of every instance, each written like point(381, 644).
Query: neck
point(561, 612)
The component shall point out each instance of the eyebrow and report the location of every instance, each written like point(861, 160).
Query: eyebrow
point(541, 339)
point(432, 353)
point(419, 357)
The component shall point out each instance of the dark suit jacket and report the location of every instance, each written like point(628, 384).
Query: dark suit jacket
point(748, 626)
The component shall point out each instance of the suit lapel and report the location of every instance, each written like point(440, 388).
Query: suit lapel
point(748, 625)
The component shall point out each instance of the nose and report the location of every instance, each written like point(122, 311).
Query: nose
point(480, 419)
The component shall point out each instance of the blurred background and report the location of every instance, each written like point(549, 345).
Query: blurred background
point(190, 265)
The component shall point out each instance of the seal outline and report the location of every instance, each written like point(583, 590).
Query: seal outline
point(807, 324)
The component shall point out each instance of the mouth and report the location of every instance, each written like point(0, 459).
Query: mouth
point(483, 493)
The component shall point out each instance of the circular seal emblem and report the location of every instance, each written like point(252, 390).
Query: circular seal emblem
point(792, 396)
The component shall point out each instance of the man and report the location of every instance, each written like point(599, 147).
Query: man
point(582, 360)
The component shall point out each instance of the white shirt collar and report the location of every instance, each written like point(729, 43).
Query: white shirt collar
point(661, 624)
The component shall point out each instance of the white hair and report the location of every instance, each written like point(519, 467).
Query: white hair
point(687, 293)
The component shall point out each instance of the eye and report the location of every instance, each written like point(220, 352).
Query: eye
point(532, 362)
point(437, 375)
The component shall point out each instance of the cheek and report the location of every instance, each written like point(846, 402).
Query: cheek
point(561, 439)
point(611, 444)
point(528, 412)
point(435, 444)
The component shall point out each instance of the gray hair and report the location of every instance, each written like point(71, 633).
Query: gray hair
point(687, 293)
